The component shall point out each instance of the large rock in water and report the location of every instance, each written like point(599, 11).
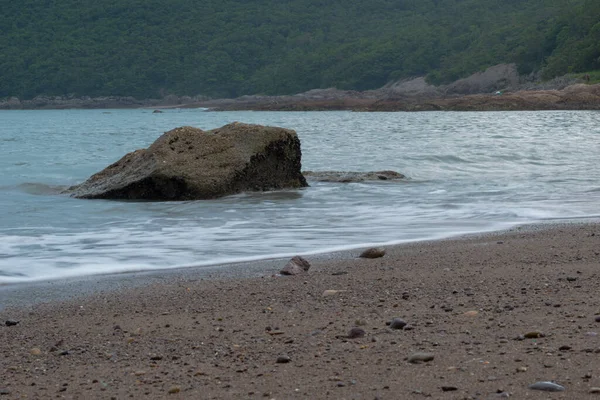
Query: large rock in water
point(189, 163)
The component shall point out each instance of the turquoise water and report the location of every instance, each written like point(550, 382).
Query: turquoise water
point(469, 172)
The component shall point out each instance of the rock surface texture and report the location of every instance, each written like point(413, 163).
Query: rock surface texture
point(188, 164)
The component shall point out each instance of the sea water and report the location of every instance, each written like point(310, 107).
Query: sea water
point(467, 172)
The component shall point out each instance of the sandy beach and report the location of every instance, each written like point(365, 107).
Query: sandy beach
point(495, 313)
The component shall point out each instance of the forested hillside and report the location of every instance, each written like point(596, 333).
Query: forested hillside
point(226, 48)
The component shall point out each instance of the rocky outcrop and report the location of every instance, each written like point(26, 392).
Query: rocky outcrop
point(498, 77)
point(189, 163)
point(350, 176)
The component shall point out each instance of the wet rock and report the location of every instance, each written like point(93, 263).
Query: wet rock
point(597, 318)
point(191, 164)
point(397, 323)
point(547, 386)
point(418, 358)
point(283, 359)
point(11, 322)
point(157, 112)
point(350, 176)
point(296, 266)
point(356, 333)
point(373, 252)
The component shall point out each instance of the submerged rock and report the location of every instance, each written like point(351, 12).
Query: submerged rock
point(189, 163)
point(349, 176)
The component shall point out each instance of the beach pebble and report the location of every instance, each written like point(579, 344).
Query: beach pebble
point(283, 359)
point(598, 318)
point(174, 389)
point(449, 388)
point(418, 358)
point(595, 390)
point(534, 335)
point(547, 386)
point(373, 252)
point(296, 266)
point(11, 322)
point(471, 313)
point(356, 333)
point(4, 391)
point(331, 292)
point(397, 323)
point(35, 351)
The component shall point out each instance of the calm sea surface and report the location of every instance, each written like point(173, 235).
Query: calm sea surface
point(469, 172)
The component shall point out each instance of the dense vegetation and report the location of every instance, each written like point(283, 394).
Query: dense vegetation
point(149, 48)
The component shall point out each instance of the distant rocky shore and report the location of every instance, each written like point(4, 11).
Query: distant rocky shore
point(499, 88)
point(87, 102)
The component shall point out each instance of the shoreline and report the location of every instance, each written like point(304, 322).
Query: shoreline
point(16, 294)
point(575, 97)
point(469, 302)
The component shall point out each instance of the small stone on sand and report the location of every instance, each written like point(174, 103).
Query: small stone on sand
point(418, 358)
point(373, 252)
point(547, 386)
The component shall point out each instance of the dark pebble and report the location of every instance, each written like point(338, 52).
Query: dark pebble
point(4, 391)
point(397, 323)
point(534, 335)
point(547, 387)
point(11, 322)
point(449, 388)
point(283, 359)
point(564, 348)
point(598, 318)
point(64, 353)
point(356, 333)
point(156, 358)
